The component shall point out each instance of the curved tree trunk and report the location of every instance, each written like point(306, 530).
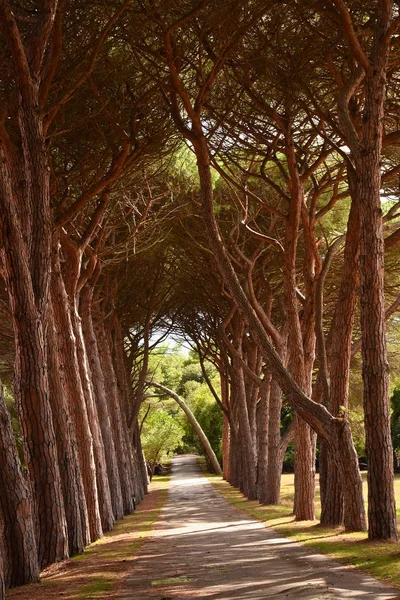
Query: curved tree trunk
point(194, 423)
point(316, 415)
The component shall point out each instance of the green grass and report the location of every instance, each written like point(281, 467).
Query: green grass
point(379, 559)
point(97, 586)
point(170, 581)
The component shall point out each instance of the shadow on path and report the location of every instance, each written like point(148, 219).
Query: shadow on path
point(203, 547)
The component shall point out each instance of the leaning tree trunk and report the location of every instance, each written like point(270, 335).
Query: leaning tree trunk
point(335, 431)
point(20, 560)
point(194, 423)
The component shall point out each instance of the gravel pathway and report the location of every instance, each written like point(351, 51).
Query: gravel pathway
point(202, 547)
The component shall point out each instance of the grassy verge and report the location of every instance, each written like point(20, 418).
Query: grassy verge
point(98, 572)
point(379, 559)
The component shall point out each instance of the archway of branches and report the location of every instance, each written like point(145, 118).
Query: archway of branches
point(222, 172)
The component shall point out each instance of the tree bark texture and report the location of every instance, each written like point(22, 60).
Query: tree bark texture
point(102, 512)
point(119, 427)
point(225, 427)
point(271, 494)
point(246, 443)
point(20, 558)
point(67, 449)
point(263, 439)
point(304, 455)
point(99, 386)
point(69, 362)
point(381, 502)
point(26, 237)
point(332, 501)
point(140, 482)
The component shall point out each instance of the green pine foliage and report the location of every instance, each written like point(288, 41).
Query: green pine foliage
point(182, 373)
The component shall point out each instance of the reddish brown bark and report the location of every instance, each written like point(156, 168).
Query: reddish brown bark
point(140, 479)
point(103, 519)
point(304, 453)
point(336, 432)
point(247, 443)
point(119, 427)
point(381, 502)
point(19, 559)
point(100, 393)
point(68, 357)
point(263, 439)
point(332, 500)
point(366, 147)
point(26, 241)
point(272, 491)
point(67, 448)
point(225, 428)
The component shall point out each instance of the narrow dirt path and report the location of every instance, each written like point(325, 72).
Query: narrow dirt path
point(203, 547)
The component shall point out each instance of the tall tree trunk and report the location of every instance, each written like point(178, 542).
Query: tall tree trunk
point(99, 386)
point(332, 501)
point(68, 357)
point(381, 502)
point(26, 260)
point(246, 448)
point(67, 449)
point(102, 511)
point(20, 560)
point(225, 427)
point(140, 481)
point(366, 148)
point(274, 471)
point(118, 421)
point(263, 439)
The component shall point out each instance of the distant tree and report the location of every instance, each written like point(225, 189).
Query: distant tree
point(161, 435)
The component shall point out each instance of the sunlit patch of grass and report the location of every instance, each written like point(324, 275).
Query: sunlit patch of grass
point(379, 559)
point(97, 586)
point(170, 581)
